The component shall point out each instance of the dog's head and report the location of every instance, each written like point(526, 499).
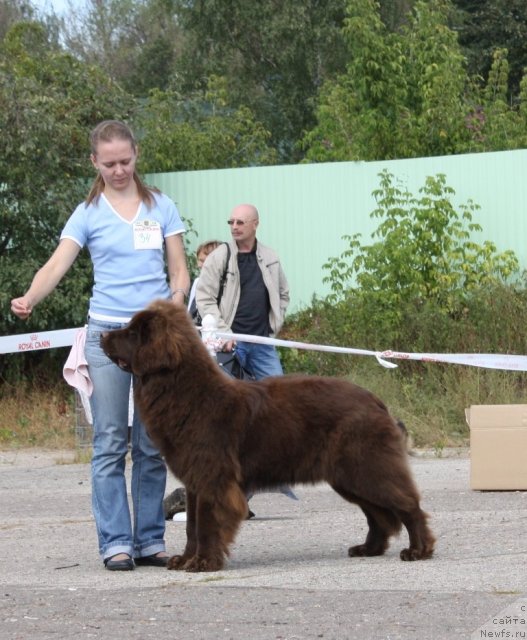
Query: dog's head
point(157, 338)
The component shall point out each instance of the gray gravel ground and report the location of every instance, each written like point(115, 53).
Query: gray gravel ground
point(288, 577)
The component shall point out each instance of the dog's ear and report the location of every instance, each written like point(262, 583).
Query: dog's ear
point(157, 345)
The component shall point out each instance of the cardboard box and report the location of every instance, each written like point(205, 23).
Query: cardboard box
point(498, 446)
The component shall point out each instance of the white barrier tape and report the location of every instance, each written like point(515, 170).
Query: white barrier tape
point(35, 341)
point(242, 337)
point(65, 337)
point(483, 360)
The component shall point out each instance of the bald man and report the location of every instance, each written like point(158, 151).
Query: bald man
point(255, 295)
point(254, 298)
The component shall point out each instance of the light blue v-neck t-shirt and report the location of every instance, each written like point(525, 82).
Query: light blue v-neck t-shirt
point(126, 279)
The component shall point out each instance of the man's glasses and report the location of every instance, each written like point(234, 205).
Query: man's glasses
point(238, 223)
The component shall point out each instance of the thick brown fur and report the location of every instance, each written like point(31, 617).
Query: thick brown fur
point(224, 438)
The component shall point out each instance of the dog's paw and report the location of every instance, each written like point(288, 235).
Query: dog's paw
point(177, 563)
point(357, 551)
point(361, 550)
point(410, 555)
point(199, 563)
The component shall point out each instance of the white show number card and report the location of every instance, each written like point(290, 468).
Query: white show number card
point(147, 235)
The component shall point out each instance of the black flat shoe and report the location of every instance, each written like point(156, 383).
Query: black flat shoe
point(127, 564)
point(152, 561)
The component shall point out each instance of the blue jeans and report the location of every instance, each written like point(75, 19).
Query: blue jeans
point(109, 405)
point(261, 359)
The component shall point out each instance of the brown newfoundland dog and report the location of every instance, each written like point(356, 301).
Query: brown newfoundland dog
point(224, 438)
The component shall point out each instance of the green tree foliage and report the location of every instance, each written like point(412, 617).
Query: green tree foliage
point(12, 11)
point(494, 123)
point(217, 84)
point(407, 93)
point(275, 55)
point(134, 41)
point(48, 103)
point(402, 94)
point(394, 13)
point(339, 80)
point(423, 254)
point(487, 25)
point(199, 133)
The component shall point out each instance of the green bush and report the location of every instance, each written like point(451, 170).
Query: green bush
point(424, 287)
point(429, 397)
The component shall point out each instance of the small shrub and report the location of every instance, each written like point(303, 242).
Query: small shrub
point(424, 286)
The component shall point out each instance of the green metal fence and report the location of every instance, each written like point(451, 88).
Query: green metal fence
point(306, 209)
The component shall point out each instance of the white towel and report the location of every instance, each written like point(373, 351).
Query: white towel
point(76, 372)
point(75, 369)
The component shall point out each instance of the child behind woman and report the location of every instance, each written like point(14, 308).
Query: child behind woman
point(201, 253)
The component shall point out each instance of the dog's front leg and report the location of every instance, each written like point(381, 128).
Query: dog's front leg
point(179, 562)
point(219, 515)
point(209, 555)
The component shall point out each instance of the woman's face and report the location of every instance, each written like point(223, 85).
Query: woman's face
point(201, 258)
point(115, 160)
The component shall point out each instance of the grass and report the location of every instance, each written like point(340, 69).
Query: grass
point(50, 419)
point(43, 418)
point(433, 416)
point(430, 398)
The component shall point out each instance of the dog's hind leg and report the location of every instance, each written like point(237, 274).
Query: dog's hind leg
point(372, 469)
point(399, 494)
point(382, 524)
point(391, 500)
point(421, 538)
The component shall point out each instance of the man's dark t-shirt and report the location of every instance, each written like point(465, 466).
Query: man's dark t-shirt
point(252, 314)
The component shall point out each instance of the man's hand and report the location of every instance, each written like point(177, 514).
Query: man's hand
point(229, 346)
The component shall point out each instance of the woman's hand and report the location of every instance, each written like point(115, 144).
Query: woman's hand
point(21, 307)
